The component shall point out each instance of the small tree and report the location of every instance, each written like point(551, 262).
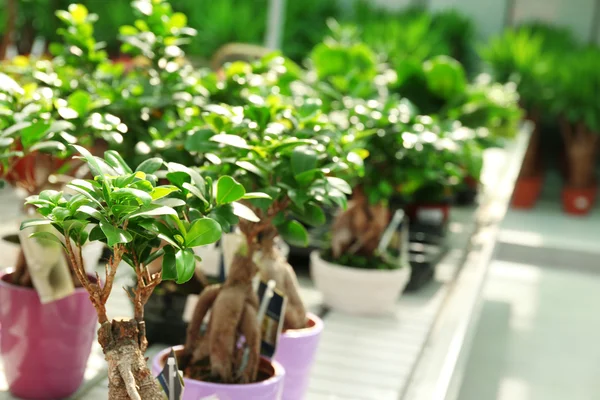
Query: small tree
point(291, 155)
point(132, 214)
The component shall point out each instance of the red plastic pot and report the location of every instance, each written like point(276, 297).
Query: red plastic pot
point(527, 191)
point(45, 347)
point(268, 389)
point(578, 201)
point(296, 352)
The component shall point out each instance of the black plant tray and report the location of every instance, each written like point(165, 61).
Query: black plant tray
point(466, 197)
point(164, 322)
point(426, 249)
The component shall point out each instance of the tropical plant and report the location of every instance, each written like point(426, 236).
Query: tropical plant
point(133, 215)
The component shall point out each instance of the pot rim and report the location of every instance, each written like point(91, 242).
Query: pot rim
point(316, 255)
point(309, 331)
point(279, 373)
point(28, 290)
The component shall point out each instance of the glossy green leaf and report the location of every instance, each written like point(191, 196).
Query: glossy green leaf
point(113, 234)
point(169, 267)
point(47, 236)
point(294, 233)
point(132, 194)
point(244, 212)
point(116, 161)
point(152, 210)
point(228, 190)
point(202, 232)
point(80, 101)
point(34, 222)
point(186, 265)
point(150, 166)
point(162, 191)
point(303, 159)
point(33, 133)
point(339, 184)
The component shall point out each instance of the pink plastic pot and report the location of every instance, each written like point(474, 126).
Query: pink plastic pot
point(45, 347)
point(269, 389)
point(296, 351)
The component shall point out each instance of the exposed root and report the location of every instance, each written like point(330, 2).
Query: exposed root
point(128, 375)
point(234, 307)
point(359, 228)
point(272, 265)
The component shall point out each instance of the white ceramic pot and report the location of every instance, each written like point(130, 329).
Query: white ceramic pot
point(211, 259)
point(355, 290)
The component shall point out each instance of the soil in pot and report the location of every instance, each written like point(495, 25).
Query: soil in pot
point(268, 387)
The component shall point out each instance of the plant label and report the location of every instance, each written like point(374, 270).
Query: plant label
point(394, 243)
point(433, 216)
point(47, 266)
point(272, 321)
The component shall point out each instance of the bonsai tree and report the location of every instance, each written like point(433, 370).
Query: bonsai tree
point(290, 155)
point(132, 214)
point(405, 155)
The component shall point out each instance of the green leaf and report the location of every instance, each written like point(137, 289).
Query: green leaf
point(33, 133)
point(256, 195)
point(169, 267)
point(128, 193)
point(80, 101)
point(294, 233)
point(50, 146)
point(228, 190)
point(152, 210)
point(170, 202)
point(46, 236)
point(78, 12)
point(90, 159)
point(178, 178)
point(115, 160)
point(303, 159)
point(92, 212)
point(97, 234)
point(177, 20)
point(251, 168)
point(195, 191)
point(150, 166)
point(162, 191)
point(34, 222)
point(113, 234)
point(339, 184)
point(202, 232)
point(313, 215)
point(230, 140)
point(186, 265)
point(244, 212)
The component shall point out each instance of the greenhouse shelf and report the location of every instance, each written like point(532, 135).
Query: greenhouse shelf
point(414, 354)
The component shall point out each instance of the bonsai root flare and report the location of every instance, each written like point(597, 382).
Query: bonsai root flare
point(128, 375)
point(233, 314)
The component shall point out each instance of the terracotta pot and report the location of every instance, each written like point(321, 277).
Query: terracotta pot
point(296, 351)
point(527, 191)
point(578, 201)
point(355, 290)
point(268, 389)
point(45, 347)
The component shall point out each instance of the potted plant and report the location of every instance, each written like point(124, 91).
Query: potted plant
point(525, 56)
point(132, 215)
point(49, 109)
point(576, 107)
point(354, 258)
point(287, 153)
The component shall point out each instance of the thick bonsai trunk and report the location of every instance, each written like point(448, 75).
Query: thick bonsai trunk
point(129, 378)
point(581, 147)
point(530, 165)
point(359, 228)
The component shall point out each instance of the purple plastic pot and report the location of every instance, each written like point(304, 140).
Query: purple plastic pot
point(269, 389)
point(45, 347)
point(296, 351)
